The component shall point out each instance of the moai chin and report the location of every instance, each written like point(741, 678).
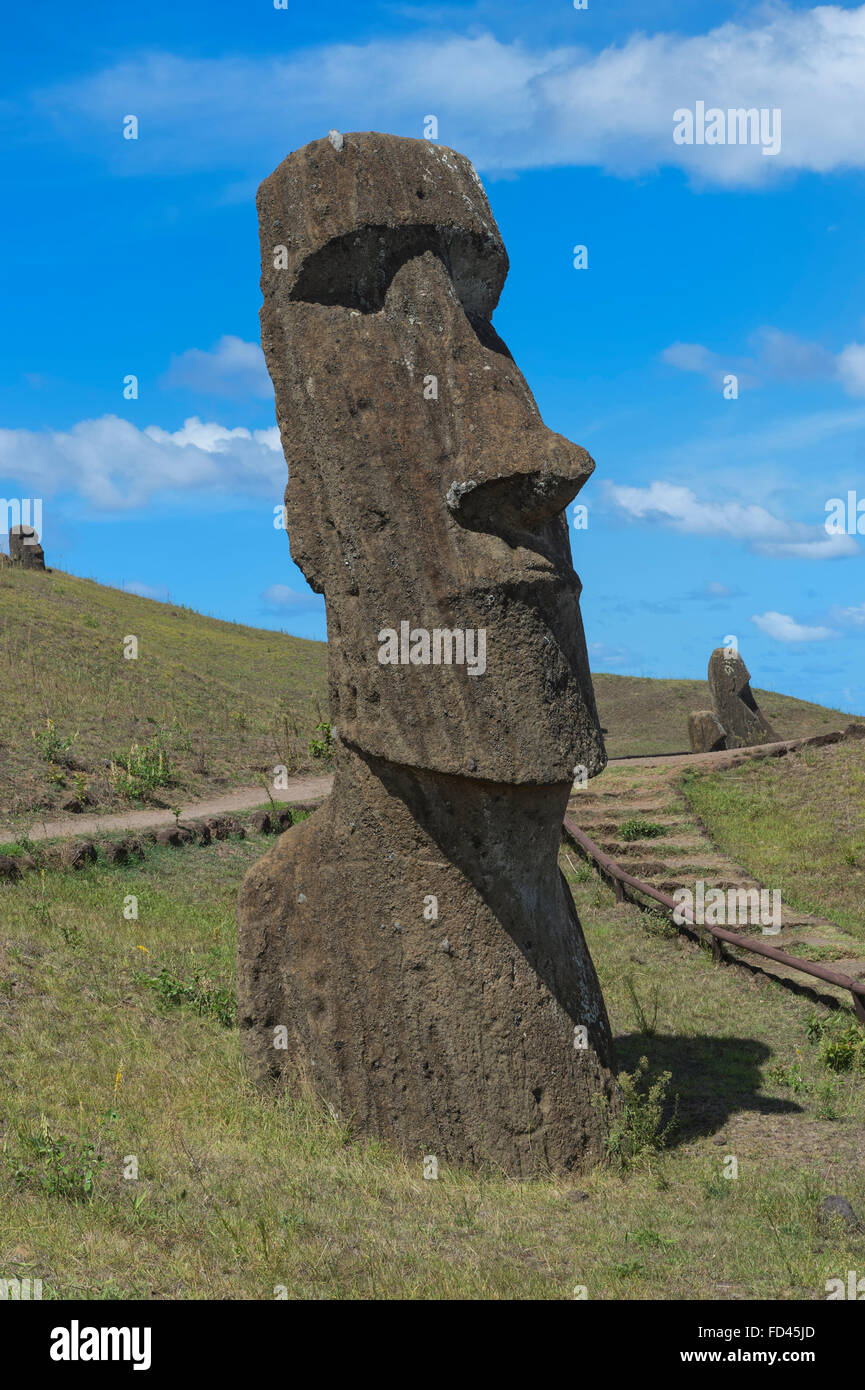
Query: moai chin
point(411, 953)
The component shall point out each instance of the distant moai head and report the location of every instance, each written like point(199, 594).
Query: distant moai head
point(733, 700)
point(425, 493)
point(24, 548)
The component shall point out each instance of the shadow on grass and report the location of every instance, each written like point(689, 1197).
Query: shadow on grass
point(712, 1077)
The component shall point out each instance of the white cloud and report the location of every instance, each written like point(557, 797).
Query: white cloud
point(775, 356)
point(281, 596)
point(113, 465)
point(854, 615)
point(133, 586)
point(851, 369)
point(231, 367)
point(607, 655)
point(507, 105)
point(783, 628)
point(677, 506)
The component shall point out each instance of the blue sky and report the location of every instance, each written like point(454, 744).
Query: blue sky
point(706, 514)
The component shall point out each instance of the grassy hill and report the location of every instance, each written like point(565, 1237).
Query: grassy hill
point(642, 715)
point(797, 823)
point(220, 702)
point(210, 705)
point(118, 1040)
point(118, 1037)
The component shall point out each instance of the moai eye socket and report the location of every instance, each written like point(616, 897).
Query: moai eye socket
point(356, 269)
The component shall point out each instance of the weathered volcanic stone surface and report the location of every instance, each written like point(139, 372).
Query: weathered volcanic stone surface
point(24, 548)
point(705, 732)
point(411, 952)
point(733, 701)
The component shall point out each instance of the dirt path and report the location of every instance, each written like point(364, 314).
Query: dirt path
point(726, 757)
point(299, 789)
point(302, 789)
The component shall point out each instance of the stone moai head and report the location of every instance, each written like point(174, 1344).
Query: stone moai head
point(24, 548)
point(426, 496)
point(733, 699)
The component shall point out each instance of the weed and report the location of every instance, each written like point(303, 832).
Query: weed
point(827, 1098)
point(790, 1076)
point(200, 993)
point(322, 748)
point(55, 1164)
point(635, 828)
point(840, 1041)
point(52, 747)
point(144, 768)
point(637, 1130)
point(649, 1240)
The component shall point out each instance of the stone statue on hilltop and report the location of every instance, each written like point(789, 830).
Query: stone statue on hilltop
point(24, 548)
point(411, 953)
point(735, 720)
point(733, 700)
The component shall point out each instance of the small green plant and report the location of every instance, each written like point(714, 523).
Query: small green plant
point(843, 1048)
point(658, 924)
point(79, 782)
point(24, 845)
point(649, 1240)
point(55, 1164)
point(840, 1040)
point(200, 993)
point(140, 771)
point(635, 1128)
point(715, 1186)
point(322, 748)
point(53, 748)
point(626, 1268)
point(791, 1076)
point(827, 1099)
point(814, 1027)
point(635, 828)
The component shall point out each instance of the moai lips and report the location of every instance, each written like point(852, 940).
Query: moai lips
point(425, 497)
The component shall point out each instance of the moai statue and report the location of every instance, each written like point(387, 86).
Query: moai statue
point(24, 548)
point(411, 953)
point(733, 701)
point(705, 733)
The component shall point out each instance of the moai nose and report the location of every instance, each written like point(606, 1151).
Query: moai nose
point(527, 496)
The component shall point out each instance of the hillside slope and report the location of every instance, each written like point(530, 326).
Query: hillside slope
point(797, 823)
point(641, 715)
point(218, 702)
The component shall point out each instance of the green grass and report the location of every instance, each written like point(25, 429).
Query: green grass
point(220, 703)
point(240, 1194)
point(638, 828)
point(797, 823)
point(643, 715)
